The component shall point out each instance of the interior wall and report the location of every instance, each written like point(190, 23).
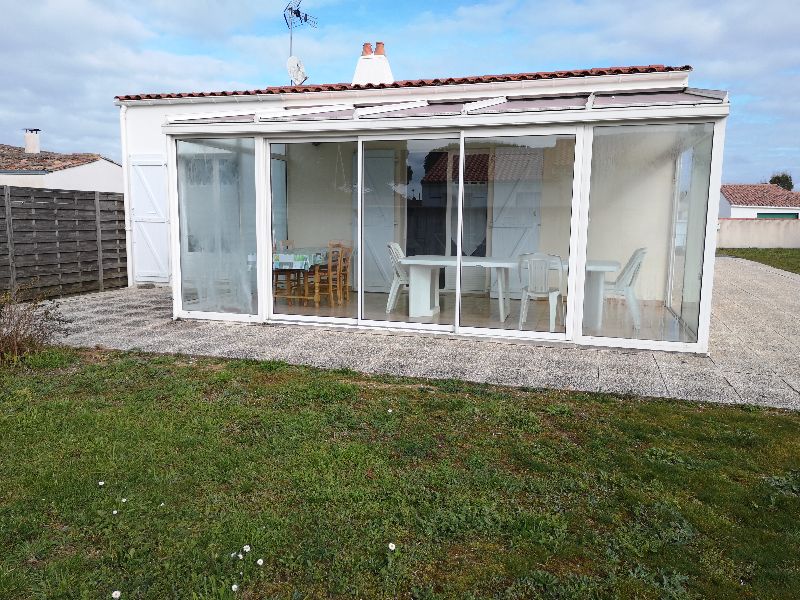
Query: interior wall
point(632, 187)
point(320, 192)
point(556, 203)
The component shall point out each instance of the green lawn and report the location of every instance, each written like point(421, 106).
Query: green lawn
point(787, 259)
point(486, 492)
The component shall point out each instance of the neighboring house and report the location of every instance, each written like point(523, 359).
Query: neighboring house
point(580, 213)
point(758, 201)
point(28, 166)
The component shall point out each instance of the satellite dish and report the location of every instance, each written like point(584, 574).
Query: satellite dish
point(296, 71)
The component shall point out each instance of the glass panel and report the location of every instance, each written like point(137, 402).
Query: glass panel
point(516, 226)
point(217, 208)
point(410, 197)
point(314, 217)
point(647, 218)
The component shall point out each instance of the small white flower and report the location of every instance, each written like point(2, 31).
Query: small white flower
point(160, 505)
point(392, 547)
point(113, 512)
point(246, 548)
point(234, 588)
point(240, 556)
point(241, 572)
point(124, 499)
point(116, 594)
point(101, 483)
point(389, 411)
point(233, 554)
point(260, 562)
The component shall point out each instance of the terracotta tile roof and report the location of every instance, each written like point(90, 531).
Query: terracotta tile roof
point(760, 194)
point(411, 83)
point(513, 164)
point(14, 158)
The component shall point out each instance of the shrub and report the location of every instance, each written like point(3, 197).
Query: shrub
point(27, 326)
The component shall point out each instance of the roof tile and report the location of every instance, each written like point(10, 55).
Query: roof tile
point(336, 87)
point(14, 158)
point(760, 194)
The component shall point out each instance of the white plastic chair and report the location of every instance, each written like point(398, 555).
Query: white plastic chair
point(538, 284)
point(625, 283)
point(400, 279)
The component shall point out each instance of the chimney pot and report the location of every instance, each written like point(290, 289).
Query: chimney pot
point(32, 141)
point(367, 49)
point(379, 48)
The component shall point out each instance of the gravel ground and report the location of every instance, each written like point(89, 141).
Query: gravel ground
point(755, 333)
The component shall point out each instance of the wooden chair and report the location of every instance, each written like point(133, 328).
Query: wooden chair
point(326, 276)
point(343, 276)
point(285, 280)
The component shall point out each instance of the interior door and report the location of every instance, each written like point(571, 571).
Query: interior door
point(378, 219)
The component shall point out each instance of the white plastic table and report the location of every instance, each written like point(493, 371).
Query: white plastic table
point(594, 290)
point(423, 276)
point(423, 288)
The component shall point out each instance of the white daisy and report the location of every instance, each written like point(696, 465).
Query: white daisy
point(162, 504)
point(392, 547)
point(101, 483)
point(233, 554)
point(246, 548)
point(389, 411)
point(116, 594)
point(260, 562)
point(234, 588)
point(240, 556)
point(113, 512)
point(124, 499)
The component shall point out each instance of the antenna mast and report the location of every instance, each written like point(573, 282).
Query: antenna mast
point(294, 18)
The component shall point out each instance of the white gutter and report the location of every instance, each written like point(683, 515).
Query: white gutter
point(455, 122)
point(126, 193)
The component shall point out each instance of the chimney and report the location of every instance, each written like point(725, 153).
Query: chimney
point(32, 141)
point(373, 67)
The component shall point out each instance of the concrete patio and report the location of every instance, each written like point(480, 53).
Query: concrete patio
point(754, 357)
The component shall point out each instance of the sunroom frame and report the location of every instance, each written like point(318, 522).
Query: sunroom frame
point(580, 123)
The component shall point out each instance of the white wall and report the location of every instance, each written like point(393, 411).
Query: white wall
point(724, 207)
point(101, 176)
point(751, 212)
point(758, 233)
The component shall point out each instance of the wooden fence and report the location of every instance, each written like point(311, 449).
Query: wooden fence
point(59, 242)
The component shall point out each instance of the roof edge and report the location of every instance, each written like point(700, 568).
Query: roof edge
point(414, 83)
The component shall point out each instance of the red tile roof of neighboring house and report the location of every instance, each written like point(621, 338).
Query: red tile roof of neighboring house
point(760, 194)
point(14, 158)
point(411, 83)
point(513, 165)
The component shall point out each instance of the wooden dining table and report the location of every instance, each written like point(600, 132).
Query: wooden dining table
point(305, 264)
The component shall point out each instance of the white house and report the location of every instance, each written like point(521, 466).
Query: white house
point(758, 201)
point(564, 206)
point(29, 166)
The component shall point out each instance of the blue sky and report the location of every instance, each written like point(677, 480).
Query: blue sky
point(64, 61)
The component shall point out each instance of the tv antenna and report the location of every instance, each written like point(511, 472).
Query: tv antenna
point(295, 18)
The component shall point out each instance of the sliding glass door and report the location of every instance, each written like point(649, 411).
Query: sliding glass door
point(410, 199)
point(314, 205)
point(515, 236)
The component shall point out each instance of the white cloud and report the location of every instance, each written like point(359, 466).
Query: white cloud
point(64, 61)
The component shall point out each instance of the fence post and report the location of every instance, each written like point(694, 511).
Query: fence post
point(99, 240)
point(10, 233)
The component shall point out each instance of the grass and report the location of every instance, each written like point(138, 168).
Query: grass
point(486, 492)
point(787, 259)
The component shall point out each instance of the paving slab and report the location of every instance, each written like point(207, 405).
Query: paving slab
point(754, 356)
